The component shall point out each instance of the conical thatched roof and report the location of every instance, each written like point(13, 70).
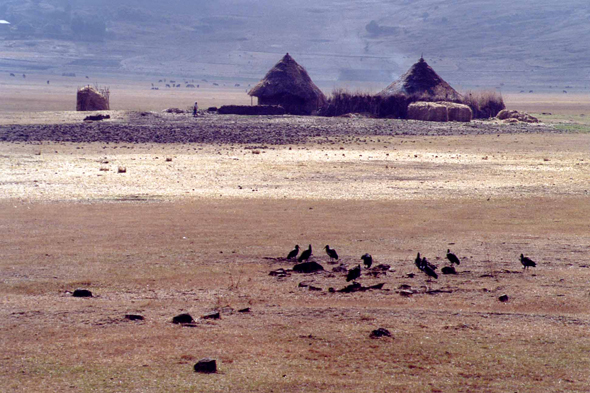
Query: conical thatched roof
point(421, 80)
point(288, 78)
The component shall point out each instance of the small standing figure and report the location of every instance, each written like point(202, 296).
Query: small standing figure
point(195, 109)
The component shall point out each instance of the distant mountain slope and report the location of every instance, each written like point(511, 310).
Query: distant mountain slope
point(518, 44)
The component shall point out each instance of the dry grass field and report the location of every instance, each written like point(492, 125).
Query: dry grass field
point(202, 230)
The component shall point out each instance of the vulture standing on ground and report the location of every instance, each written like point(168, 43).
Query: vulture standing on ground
point(427, 264)
point(305, 255)
point(429, 271)
point(527, 262)
point(331, 252)
point(453, 258)
point(418, 261)
point(294, 252)
point(353, 274)
point(367, 260)
point(427, 267)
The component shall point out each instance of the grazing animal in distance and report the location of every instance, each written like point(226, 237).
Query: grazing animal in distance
point(453, 258)
point(294, 252)
point(527, 262)
point(305, 255)
point(353, 274)
point(367, 260)
point(331, 253)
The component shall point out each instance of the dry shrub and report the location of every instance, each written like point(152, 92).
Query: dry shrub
point(484, 104)
point(342, 102)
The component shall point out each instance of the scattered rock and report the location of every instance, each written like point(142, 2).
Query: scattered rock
point(331, 290)
point(122, 169)
point(174, 110)
point(183, 318)
point(504, 298)
point(212, 315)
point(448, 270)
point(82, 293)
point(308, 267)
point(356, 287)
point(312, 288)
point(134, 317)
point(381, 332)
point(206, 365)
point(244, 310)
point(406, 292)
point(97, 117)
point(382, 266)
point(280, 273)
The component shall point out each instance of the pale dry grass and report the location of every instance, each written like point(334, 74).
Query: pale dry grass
point(33, 94)
point(380, 168)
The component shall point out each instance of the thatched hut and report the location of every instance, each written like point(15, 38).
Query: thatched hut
point(287, 84)
point(423, 82)
point(91, 99)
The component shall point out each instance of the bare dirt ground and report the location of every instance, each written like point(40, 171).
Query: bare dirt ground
point(195, 227)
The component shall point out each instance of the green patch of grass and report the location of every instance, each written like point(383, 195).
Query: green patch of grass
point(583, 128)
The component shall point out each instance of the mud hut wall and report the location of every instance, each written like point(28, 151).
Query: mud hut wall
point(428, 111)
point(292, 104)
point(89, 99)
point(458, 112)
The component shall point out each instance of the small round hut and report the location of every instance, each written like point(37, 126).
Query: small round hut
point(422, 81)
point(91, 99)
point(287, 84)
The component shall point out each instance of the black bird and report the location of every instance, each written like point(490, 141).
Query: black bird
point(418, 261)
point(426, 264)
point(429, 271)
point(527, 262)
point(453, 258)
point(305, 255)
point(331, 252)
point(294, 252)
point(367, 260)
point(353, 274)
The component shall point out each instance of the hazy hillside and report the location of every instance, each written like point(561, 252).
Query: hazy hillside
point(522, 44)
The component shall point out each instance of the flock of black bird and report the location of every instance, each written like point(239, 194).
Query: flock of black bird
point(421, 262)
